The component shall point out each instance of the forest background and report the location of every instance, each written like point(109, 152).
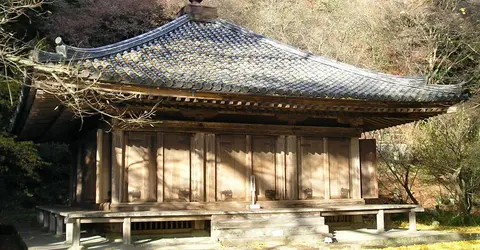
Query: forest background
point(437, 39)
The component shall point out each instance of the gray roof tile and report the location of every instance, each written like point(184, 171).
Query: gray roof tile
point(223, 57)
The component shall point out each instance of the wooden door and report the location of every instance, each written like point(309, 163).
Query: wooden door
point(263, 149)
point(339, 155)
point(368, 168)
point(177, 167)
point(141, 169)
point(231, 168)
point(312, 168)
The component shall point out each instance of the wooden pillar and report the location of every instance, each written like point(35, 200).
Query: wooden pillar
point(210, 167)
point(69, 232)
point(412, 221)
point(127, 231)
point(59, 225)
point(76, 234)
point(160, 162)
point(117, 165)
point(280, 167)
point(40, 217)
point(291, 168)
point(380, 221)
point(99, 190)
point(197, 157)
point(355, 188)
point(326, 164)
point(52, 222)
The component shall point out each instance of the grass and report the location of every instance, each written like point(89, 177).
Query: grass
point(472, 244)
point(458, 229)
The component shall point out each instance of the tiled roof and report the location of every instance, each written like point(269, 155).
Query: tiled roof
point(219, 56)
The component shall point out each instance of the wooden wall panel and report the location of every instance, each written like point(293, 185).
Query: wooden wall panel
point(198, 166)
point(210, 167)
point(117, 164)
point(291, 178)
point(368, 168)
point(339, 159)
point(231, 168)
point(177, 167)
point(160, 161)
point(263, 166)
point(280, 167)
point(311, 169)
point(141, 169)
point(355, 183)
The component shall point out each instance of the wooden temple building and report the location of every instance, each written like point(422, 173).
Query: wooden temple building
point(252, 138)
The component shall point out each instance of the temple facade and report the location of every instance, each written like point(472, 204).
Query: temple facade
point(247, 132)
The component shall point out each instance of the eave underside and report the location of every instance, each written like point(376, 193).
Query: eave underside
point(49, 120)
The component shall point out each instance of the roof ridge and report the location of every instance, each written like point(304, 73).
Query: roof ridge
point(76, 53)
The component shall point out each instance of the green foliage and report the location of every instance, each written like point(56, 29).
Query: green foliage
point(19, 171)
point(448, 149)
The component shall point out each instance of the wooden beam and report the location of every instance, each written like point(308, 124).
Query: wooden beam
point(235, 97)
point(79, 176)
point(251, 129)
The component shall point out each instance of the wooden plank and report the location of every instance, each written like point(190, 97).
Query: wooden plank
point(88, 163)
point(263, 166)
point(368, 168)
point(198, 165)
point(124, 171)
point(280, 167)
point(339, 154)
point(251, 129)
point(177, 167)
point(141, 169)
point(103, 178)
point(291, 168)
point(160, 162)
point(355, 185)
point(326, 165)
point(311, 179)
point(210, 167)
point(231, 168)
